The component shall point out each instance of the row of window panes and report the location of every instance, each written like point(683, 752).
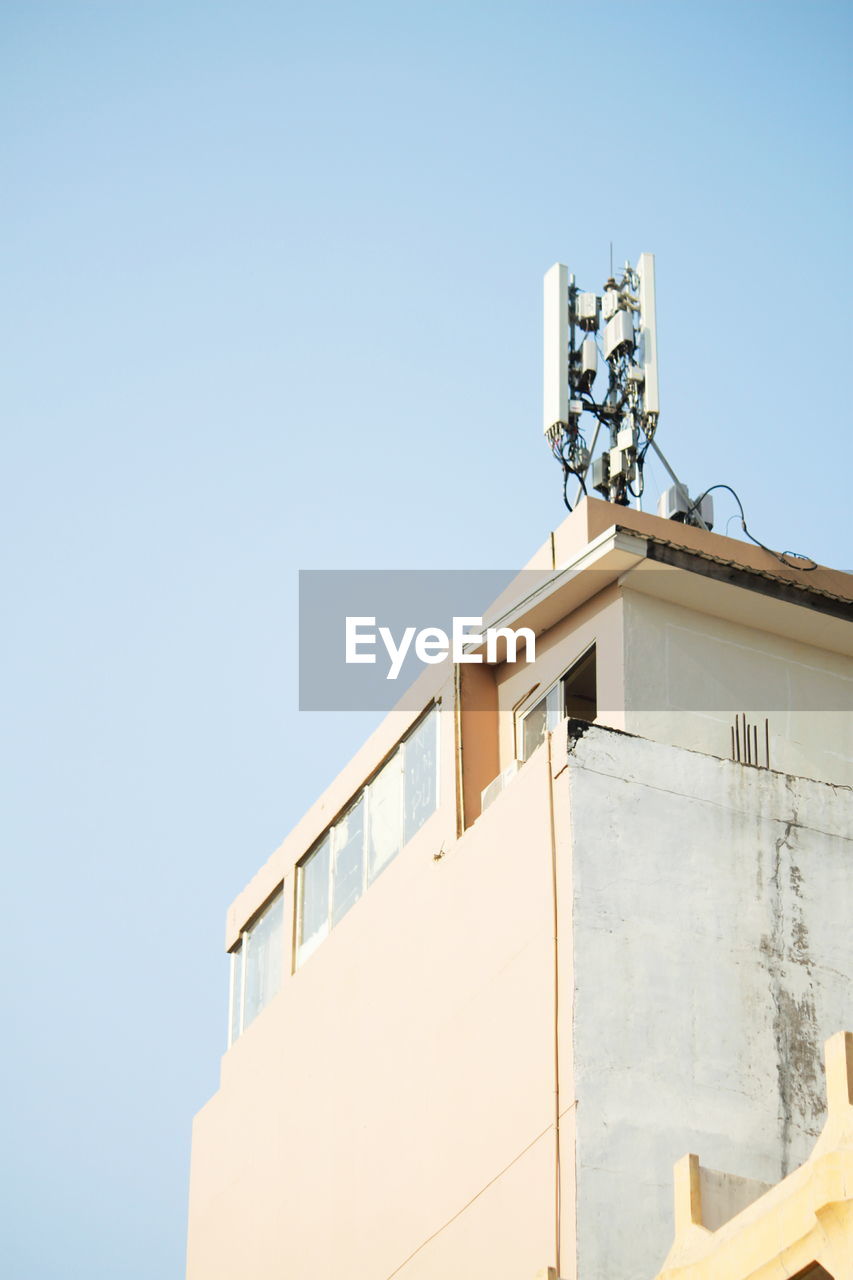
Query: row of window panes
point(399, 800)
point(384, 816)
point(256, 967)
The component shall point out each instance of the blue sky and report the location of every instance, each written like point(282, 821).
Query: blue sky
point(272, 300)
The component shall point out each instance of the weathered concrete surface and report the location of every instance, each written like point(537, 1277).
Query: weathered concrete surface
point(712, 957)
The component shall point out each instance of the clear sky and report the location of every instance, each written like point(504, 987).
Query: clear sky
point(271, 300)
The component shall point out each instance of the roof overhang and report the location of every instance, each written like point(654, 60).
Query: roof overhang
point(692, 579)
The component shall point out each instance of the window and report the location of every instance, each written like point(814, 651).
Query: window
point(580, 699)
point(419, 762)
point(385, 828)
point(314, 881)
point(256, 967)
point(383, 817)
point(348, 860)
point(541, 718)
point(574, 694)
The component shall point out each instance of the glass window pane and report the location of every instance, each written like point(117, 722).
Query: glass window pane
point(579, 688)
point(421, 758)
point(236, 991)
point(313, 900)
point(348, 840)
point(385, 816)
point(263, 960)
point(534, 726)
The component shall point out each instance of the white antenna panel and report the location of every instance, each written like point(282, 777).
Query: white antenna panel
point(648, 332)
point(556, 402)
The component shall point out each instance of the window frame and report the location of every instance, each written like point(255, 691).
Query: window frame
point(301, 950)
point(539, 695)
point(397, 754)
point(240, 951)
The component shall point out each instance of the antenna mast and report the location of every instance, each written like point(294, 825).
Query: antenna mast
point(624, 316)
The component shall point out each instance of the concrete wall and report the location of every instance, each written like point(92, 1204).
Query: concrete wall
point(712, 955)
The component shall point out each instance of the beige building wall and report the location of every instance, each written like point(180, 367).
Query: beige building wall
point(395, 1101)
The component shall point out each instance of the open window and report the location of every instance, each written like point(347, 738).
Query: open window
point(580, 700)
point(574, 694)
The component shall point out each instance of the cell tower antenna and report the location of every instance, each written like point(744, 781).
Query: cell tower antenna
point(628, 408)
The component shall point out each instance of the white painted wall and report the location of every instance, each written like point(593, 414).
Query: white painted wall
point(713, 953)
point(688, 673)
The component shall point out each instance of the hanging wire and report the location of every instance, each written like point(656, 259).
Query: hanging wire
point(558, 448)
point(784, 557)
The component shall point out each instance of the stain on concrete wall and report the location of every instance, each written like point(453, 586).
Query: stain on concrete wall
point(786, 955)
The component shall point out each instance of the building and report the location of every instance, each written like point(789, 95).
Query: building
point(598, 941)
